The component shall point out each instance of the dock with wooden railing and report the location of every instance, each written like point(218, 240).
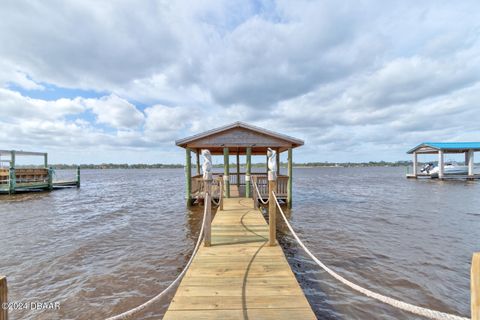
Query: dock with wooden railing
point(14, 179)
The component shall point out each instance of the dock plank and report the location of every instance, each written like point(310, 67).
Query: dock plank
point(239, 276)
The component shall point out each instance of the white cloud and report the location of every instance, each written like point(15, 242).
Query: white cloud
point(115, 111)
point(341, 76)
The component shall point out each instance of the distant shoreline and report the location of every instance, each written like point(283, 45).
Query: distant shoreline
point(233, 165)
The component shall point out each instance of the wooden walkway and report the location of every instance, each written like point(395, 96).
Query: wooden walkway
point(239, 276)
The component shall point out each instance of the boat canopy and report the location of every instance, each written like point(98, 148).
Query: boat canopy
point(449, 147)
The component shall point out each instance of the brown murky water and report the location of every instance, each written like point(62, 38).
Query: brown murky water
point(126, 234)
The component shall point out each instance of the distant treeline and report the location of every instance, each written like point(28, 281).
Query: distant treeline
point(232, 165)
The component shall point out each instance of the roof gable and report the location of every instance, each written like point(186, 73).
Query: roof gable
point(239, 134)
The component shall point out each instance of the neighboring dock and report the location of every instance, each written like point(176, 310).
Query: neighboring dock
point(440, 149)
point(239, 276)
point(15, 179)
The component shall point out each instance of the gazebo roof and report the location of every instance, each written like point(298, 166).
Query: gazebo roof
point(450, 147)
point(237, 137)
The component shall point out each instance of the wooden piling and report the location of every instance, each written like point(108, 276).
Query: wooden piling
point(221, 195)
point(188, 176)
point(226, 171)
point(208, 213)
point(290, 182)
point(272, 208)
point(475, 286)
point(50, 178)
point(12, 159)
point(3, 298)
point(45, 160)
point(248, 172)
point(78, 177)
point(12, 181)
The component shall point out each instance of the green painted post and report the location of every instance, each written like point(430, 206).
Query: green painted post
point(290, 170)
point(226, 172)
point(45, 158)
point(13, 175)
point(198, 161)
point(78, 177)
point(12, 159)
point(248, 172)
point(278, 161)
point(188, 175)
point(12, 181)
point(238, 171)
point(50, 178)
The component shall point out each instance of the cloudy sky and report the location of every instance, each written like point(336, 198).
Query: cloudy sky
point(119, 81)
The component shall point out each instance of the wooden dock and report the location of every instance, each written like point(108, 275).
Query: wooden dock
point(239, 276)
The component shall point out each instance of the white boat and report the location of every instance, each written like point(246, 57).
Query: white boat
point(450, 168)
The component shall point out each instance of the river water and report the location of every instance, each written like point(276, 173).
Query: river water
point(125, 235)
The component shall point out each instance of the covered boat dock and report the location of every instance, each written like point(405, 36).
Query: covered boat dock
point(238, 139)
point(442, 148)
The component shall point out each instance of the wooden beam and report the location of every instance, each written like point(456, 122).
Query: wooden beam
point(3, 298)
point(290, 177)
point(475, 286)
point(248, 172)
point(188, 176)
point(226, 172)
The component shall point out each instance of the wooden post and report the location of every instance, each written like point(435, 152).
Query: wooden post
point(475, 286)
point(471, 162)
point(3, 298)
point(78, 177)
point(188, 175)
point(221, 194)
point(12, 181)
point(272, 207)
point(198, 161)
point(226, 172)
point(45, 160)
point(254, 193)
point(208, 207)
point(415, 164)
point(441, 164)
point(290, 171)
point(248, 172)
point(12, 159)
point(238, 171)
point(50, 178)
point(278, 161)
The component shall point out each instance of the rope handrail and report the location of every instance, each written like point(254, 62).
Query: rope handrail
point(421, 311)
point(130, 313)
point(259, 195)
